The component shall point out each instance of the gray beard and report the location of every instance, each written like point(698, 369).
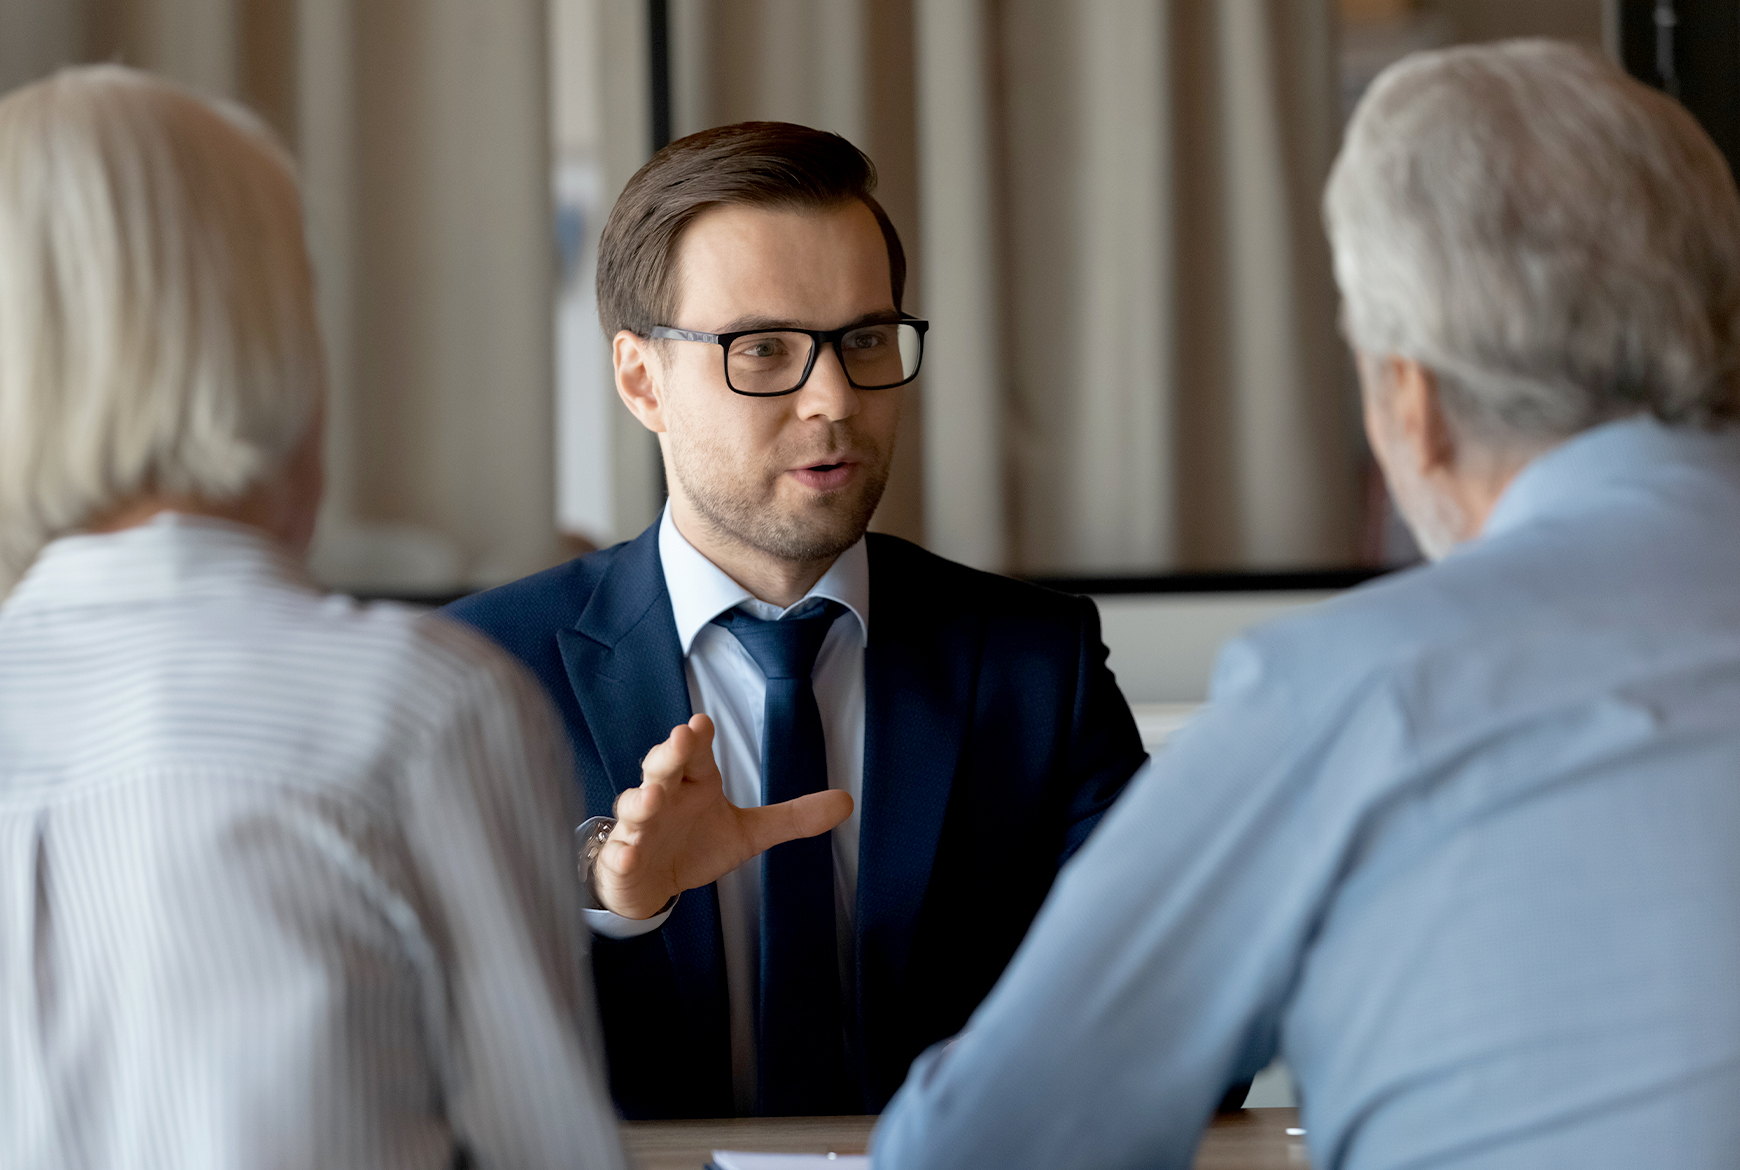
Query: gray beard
point(795, 540)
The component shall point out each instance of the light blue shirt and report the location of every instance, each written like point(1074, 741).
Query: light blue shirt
point(1462, 845)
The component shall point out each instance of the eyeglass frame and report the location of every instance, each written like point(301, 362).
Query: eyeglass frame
point(818, 338)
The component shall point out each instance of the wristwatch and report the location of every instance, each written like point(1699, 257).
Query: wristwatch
point(589, 841)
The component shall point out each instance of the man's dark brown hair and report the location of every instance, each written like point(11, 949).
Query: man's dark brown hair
point(758, 164)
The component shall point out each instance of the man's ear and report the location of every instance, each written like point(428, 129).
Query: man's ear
point(1419, 414)
point(639, 378)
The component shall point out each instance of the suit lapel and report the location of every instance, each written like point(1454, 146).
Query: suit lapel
point(625, 663)
point(920, 672)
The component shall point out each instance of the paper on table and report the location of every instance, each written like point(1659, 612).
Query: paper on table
point(739, 1160)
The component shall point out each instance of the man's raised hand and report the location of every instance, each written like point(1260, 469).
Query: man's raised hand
point(677, 831)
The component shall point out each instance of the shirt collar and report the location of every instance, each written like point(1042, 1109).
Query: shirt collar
point(1579, 474)
point(700, 590)
point(172, 555)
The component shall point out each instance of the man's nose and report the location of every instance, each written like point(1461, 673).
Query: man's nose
point(828, 394)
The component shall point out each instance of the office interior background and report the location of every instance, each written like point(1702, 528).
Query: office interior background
point(1110, 205)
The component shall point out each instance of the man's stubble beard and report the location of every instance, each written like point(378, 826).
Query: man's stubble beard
point(747, 516)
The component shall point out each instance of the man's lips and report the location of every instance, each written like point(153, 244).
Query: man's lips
point(825, 476)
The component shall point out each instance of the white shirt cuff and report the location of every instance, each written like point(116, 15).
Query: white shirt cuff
point(616, 926)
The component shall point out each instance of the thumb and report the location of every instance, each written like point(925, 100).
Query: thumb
point(806, 816)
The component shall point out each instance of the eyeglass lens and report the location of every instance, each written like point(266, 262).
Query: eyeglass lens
point(874, 357)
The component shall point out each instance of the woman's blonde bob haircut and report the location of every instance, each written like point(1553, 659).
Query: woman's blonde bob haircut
point(157, 329)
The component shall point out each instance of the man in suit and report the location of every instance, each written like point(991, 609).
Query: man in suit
point(957, 732)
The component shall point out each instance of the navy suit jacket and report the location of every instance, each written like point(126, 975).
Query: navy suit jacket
point(995, 738)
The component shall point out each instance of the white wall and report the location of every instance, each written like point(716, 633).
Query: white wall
point(1163, 645)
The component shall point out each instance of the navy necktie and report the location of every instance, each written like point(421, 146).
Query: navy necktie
point(800, 1037)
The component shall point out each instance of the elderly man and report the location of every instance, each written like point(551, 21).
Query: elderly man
point(1463, 846)
point(284, 881)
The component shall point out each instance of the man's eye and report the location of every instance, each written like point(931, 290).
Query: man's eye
point(760, 347)
point(866, 339)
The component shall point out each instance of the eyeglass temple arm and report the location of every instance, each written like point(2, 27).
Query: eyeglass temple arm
point(664, 331)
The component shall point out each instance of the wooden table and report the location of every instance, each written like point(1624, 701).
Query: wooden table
point(1252, 1139)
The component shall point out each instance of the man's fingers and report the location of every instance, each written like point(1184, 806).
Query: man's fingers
point(698, 763)
point(686, 752)
point(702, 726)
point(804, 817)
point(664, 765)
point(637, 806)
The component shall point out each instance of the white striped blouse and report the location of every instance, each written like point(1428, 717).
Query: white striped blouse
point(285, 880)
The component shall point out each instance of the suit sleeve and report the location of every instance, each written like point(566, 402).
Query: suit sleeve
point(1105, 747)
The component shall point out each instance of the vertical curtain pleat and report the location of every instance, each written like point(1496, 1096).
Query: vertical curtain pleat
point(326, 152)
point(1088, 330)
point(1291, 425)
point(453, 274)
point(1121, 446)
point(965, 399)
point(1174, 389)
point(621, 72)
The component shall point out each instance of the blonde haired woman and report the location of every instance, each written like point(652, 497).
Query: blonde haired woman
point(283, 880)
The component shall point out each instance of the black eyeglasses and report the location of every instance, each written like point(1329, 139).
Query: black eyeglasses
point(766, 363)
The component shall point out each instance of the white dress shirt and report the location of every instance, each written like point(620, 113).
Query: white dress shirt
point(284, 880)
point(727, 685)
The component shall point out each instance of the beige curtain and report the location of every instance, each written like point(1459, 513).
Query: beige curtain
point(1110, 207)
point(1169, 388)
point(421, 128)
point(1112, 203)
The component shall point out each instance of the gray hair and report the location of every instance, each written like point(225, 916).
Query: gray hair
point(157, 330)
point(1557, 243)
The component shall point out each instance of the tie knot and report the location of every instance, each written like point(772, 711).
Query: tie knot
point(785, 648)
